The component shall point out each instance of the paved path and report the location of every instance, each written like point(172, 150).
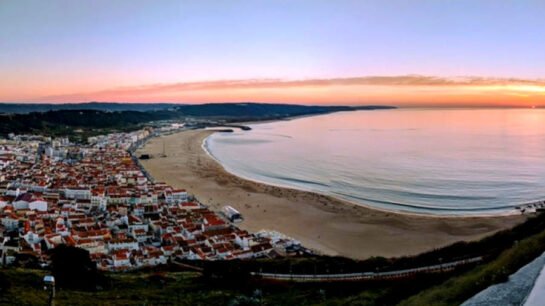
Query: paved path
point(366, 275)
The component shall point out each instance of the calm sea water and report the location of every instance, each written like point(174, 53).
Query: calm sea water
point(458, 161)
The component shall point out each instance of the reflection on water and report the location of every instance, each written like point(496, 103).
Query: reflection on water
point(454, 161)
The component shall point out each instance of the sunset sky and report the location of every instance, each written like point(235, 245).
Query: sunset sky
point(463, 52)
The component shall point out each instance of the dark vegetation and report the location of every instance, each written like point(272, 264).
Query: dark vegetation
point(250, 111)
point(77, 124)
point(23, 108)
point(25, 287)
point(215, 109)
point(74, 269)
point(228, 283)
point(111, 116)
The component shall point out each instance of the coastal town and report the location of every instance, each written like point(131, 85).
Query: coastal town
point(97, 197)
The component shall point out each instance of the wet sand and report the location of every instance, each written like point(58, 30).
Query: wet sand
point(328, 225)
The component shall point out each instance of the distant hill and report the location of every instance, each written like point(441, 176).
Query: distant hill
point(23, 108)
point(83, 119)
point(78, 122)
point(260, 111)
point(199, 110)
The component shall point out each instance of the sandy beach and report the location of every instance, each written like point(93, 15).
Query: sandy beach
point(323, 223)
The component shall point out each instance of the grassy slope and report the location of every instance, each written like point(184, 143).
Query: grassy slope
point(458, 289)
point(187, 288)
point(180, 288)
point(172, 288)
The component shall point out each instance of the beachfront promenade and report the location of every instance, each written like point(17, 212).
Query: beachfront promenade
point(367, 275)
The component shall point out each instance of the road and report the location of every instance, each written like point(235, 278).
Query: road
point(367, 275)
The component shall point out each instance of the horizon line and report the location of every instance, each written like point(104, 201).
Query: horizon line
point(442, 106)
point(412, 90)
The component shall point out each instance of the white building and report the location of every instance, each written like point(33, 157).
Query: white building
point(10, 222)
point(176, 196)
point(77, 193)
point(39, 205)
point(121, 260)
point(129, 244)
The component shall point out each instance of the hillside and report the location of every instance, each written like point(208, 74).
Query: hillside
point(24, 108)
point(214, 109)
point(109, 117)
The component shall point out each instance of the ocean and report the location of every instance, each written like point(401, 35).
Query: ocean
point(428, 161)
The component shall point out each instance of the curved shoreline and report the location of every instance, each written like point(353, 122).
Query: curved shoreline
point(503, 213)
point(325, 223)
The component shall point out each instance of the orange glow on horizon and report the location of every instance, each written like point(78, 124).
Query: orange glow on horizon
point(412, 90)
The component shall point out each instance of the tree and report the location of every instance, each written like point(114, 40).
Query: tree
point(73, 268)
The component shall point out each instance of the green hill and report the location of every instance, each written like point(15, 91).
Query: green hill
point(64, 122)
